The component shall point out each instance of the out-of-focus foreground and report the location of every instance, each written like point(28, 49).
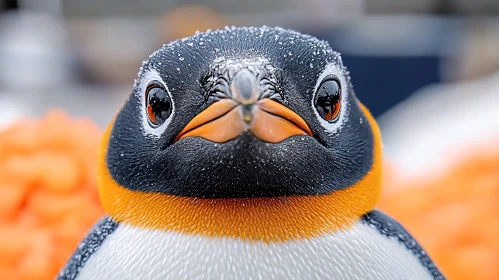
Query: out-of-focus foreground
point(428, 70)
point(48, 193)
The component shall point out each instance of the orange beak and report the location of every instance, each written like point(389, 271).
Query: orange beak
point(228, 118)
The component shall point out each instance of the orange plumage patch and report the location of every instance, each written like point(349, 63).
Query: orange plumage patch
point(455, 216)
point(264, 219)
point(48, 198)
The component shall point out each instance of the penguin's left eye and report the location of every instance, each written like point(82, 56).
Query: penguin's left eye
point(159, 104)
point(327, 99)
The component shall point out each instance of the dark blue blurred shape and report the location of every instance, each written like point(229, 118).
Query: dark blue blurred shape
point(382, 82)
point(390, 57)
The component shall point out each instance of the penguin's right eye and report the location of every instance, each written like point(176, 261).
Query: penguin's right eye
point(159, 104)
point(327, 99)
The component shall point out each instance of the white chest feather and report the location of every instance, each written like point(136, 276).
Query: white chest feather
point(360, 253)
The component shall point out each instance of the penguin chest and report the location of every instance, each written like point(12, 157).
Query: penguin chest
point(359, 253)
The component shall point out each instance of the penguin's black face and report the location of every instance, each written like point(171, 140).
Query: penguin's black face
point(242, 112)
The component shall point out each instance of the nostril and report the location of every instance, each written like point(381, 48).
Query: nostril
point(247, 111)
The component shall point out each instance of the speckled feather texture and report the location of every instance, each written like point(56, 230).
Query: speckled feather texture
point(392, 229)
point(87, 247)
point(375, 248)
point(139, 160)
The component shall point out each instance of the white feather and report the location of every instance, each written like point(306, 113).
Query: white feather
point(359, 253)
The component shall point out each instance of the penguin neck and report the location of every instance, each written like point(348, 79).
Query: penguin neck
point(266, 219)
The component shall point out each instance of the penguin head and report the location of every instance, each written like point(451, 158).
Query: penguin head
point(242, 112)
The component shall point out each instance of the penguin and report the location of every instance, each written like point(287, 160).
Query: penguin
point(243, 153)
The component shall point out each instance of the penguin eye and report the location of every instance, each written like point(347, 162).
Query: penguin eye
point(327, 99)
point(159, 104)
